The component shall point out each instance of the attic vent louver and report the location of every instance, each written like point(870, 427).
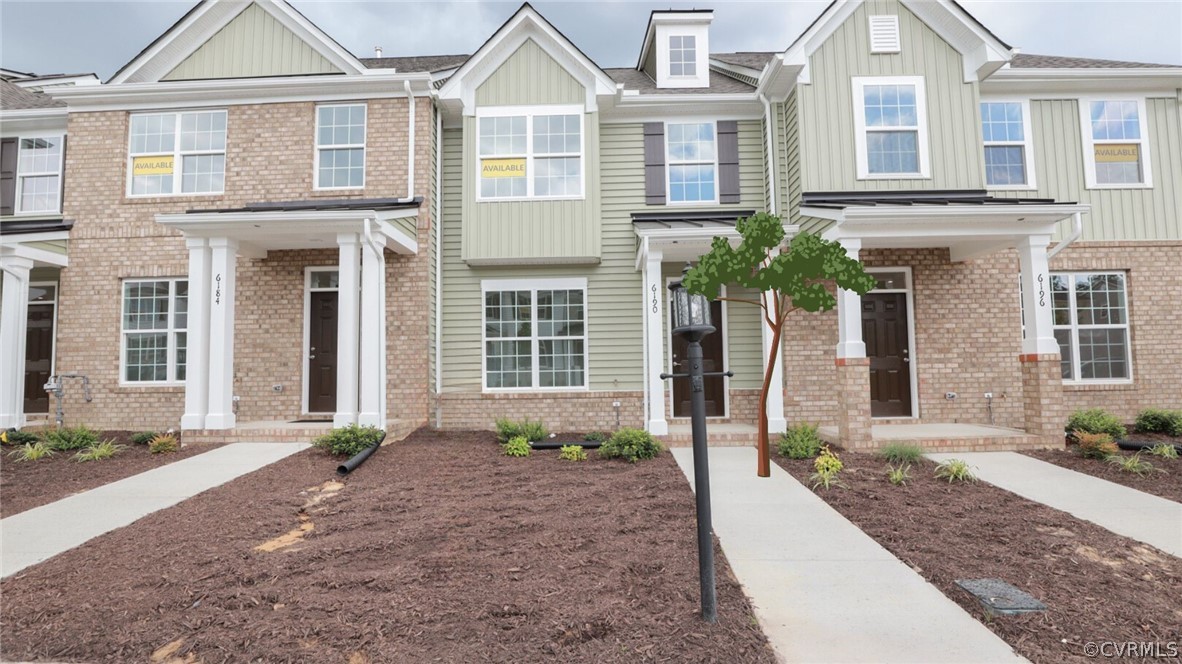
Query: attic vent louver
point(884, 34)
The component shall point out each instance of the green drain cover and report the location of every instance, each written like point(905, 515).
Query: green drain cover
point(1001, 598)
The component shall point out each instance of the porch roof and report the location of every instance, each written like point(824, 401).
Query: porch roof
point(689, 219)
point(41, 240)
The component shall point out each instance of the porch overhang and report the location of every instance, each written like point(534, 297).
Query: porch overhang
point(685, 236)
point(263, 227)
point(41, 240)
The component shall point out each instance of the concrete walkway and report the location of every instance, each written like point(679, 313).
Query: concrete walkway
point(43, 532)
point(1128, 512)
point(823, 590)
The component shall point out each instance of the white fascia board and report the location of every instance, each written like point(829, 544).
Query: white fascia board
point(654, 235)
point(52, 236)
point(402, 243)
point(17, 122)
point(38, 256)
point(938, 212)
point(658, 107)
point(1054, 83)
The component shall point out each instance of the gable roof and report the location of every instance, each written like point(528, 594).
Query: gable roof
point(13, 98)
point(1033, 61)
point(749, 59)
point(417, 63)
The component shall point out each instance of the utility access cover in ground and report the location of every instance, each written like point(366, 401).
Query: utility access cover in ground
point(1001, 598)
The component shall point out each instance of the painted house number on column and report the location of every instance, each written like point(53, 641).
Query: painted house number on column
point(656, 302)
point(217, 289)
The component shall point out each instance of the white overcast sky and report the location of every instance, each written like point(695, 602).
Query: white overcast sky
point(50, 36)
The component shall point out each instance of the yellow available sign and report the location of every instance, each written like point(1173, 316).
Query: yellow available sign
point(502, 168)
point(1117, 152)
point(152, 165)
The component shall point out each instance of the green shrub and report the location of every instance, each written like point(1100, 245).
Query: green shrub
point(898, 475)
point(98, 451)
point(70, 438)
point(800, 441)
point(572, 453)
point(827, 465)
point(32, 451)
point(163, 444)
point(143, 437)
point(1096, 420)
point(1133, 464)
point(1164, 450)
point(901, 453)
point(1155, 420)
point(955, 470)
point(517, 447)
point(1095, 445)
point(20, 438)
point(347, 441)
point(596, 437)
point(631, 444)
point(508, 429)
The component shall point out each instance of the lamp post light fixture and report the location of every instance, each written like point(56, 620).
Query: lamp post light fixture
point(690, 315)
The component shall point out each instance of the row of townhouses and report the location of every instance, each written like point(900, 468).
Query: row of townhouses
point(248, 226)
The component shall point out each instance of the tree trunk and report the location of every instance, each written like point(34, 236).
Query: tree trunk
point(762, 444)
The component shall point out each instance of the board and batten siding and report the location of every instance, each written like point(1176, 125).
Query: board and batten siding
point(827, 133)
point(253, 44)
point(530, 77)
point(1117, 214)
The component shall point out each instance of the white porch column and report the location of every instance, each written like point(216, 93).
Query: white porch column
point(373, 319)
point(223, 268)
point(775, 396)
point(14, 321)
point(197, 365)
point(1036, 296)
point(849, 312)
point(654, 298)
point(348, 293)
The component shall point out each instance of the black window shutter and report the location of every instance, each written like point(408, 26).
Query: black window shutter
point(728, 161)
point(654, 163)
point(8, 148)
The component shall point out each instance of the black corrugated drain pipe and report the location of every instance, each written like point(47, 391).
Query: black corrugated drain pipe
point(553, 445)
point(359, 458)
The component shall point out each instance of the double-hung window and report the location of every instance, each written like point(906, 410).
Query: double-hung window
point(531, 155)
point(155, 317)
point(1005, 129)
point(890, 121)
point(1116, 152)
point(1091, 324)
point(340, 146)
point(683, 55)
point(535, 334)
point(177, 153)
point(693, 162)
point(39, 174)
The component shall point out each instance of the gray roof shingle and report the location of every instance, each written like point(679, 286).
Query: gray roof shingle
point(749, 59)
point(418, 63)
point(640, 81)
point(15, 98)
point(1033, 61)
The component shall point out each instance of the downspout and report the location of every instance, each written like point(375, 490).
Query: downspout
point(437, 224)
point(1076, 231)
point(771, 160)
point(410, 141)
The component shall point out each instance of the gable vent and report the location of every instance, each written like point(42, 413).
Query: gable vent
point(884, 34)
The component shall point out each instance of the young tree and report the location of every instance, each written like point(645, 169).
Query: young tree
point(796, 278)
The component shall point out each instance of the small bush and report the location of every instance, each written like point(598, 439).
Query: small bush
point(517, 447)
point(20, 437)
point(163, 444)
point(1096, 420)
point(508, 429)
point(800, 441)
point(1095, 445)
point(347, 441)
point(631, 444)
point(572, 453)
point(596, 437)
point(1133, 464)
point(901, 453)
point(143, 437)
point(827, 465)
point(1155, 420)
point(898, 475)
point(955, 470)
point(1164, 450)
point(70, 438)
point(32, 451)
point(99, 451)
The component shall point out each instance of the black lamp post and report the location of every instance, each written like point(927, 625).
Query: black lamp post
point(690, 315)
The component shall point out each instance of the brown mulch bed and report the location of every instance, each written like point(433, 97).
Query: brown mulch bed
point(1167, 484)
point(28, 484)
point(438, 548)
point(1098, 586)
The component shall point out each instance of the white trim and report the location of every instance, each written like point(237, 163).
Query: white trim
point(61, 168)
point(317, 148)
point(909, 291)
point(177, 154)
point(859, 84)
point(1089, 143)
point(722, 328)
point(529, 113)
point(1027, 144)
point(669, 163)
point(308, 290)
point(534, 285)
point(170, 332)
point(1074, 327)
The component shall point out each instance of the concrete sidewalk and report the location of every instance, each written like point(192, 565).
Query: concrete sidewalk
point(1128, 512)
point(823, 590)
point(43, 532)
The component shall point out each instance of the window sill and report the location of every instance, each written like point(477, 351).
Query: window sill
point(1098, 386)
point(337, 190)
point(1015, 187)
point(894, 176)
point(533, 391)
point(164, 198)
point(531, 199)
point(171, 387)
point(1119, 186)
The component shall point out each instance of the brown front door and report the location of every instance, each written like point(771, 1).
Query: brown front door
point(715, 386)
point(322, 352)
point(38, 357)
point(884, 329)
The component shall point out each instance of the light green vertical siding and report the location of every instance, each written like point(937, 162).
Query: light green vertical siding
point(827, 108)
point(1117, 214)
point(254, 43)
point(530, 76)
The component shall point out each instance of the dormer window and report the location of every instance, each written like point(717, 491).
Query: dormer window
point(683, 55)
